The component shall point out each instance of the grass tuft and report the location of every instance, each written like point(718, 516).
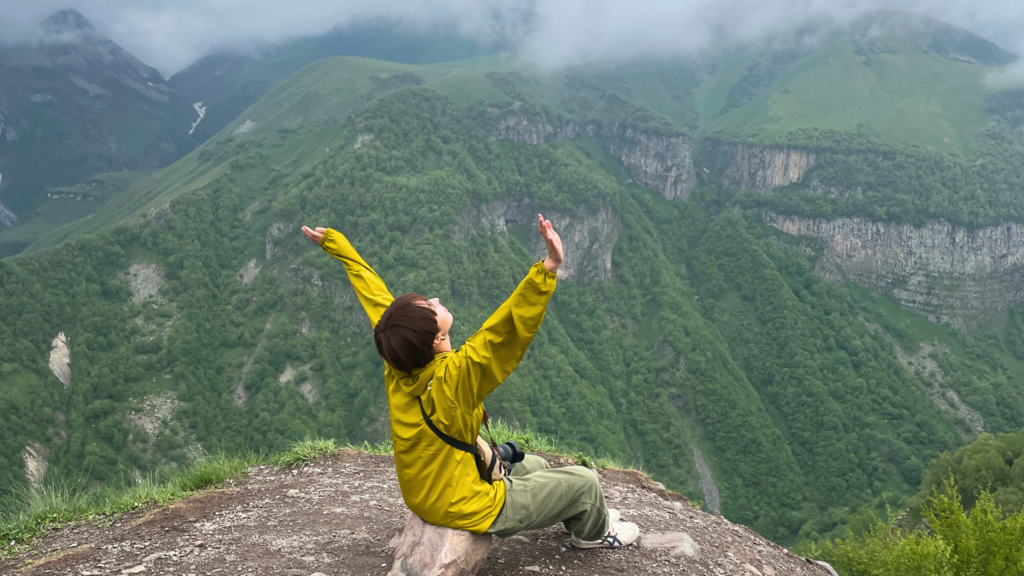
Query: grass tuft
point(305, 451)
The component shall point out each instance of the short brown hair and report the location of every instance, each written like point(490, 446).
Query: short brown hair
point(405, 333)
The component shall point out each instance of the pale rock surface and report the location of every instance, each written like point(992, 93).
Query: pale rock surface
point(968, 279)
point(588, 236)
point(248, 272)
point(7, 216)
point(423, 549)
point(680, 543)
point(145, 281)
point(663, 163)
point(37, 460)
point(756, 167)
point(60, 359)
point(514, 125)
point(659, 162)
point(276, 229)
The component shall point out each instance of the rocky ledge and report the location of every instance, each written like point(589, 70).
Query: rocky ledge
point(756, 167)
point(662, 162)
point(966, 278)
point(337, 516)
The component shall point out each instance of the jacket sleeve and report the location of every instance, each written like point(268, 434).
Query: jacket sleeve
point(369, 287)
point(490, 355)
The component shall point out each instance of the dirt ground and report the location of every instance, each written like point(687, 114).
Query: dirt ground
point(337, 516)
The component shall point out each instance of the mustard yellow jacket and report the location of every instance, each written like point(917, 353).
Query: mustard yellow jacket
point(440, 484)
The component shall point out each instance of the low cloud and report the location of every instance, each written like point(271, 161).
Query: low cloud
point(171, 34)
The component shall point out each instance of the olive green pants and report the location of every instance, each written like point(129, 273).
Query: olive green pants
point(538, 496)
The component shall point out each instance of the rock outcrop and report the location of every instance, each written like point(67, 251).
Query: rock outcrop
point(659, 162)
point(37, 460)
point(422, 548)
point(145, 281)
point(968, 279)
point(516, 126)
point(60, 359)
point(7, 216)
point(588, 236)
point(756, 167)
point(276, 229)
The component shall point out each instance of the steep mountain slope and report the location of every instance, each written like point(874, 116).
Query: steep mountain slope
point(899, 77)
point(73, 104)
point(222, 86)
point(684, 337)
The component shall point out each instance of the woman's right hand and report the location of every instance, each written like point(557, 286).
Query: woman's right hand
point(553, 242)
point(315, 236)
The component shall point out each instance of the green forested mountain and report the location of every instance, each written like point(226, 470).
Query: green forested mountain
point(225, 84)
point(685, 332)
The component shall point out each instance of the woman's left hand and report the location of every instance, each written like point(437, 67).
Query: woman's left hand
point(315, 236)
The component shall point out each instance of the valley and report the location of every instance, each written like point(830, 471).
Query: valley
point(777, 307)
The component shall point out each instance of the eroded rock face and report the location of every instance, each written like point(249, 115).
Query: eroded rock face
point(659, 162)
point(428, 550)
point(145, 281)
point(587, 236)
point(514, 125)
point(248, 272)
point(968, 279)
point(37, 461)
point(663, 163)
point(7, 216)
point(60, 359)
point(755, 167)
point(276, 229)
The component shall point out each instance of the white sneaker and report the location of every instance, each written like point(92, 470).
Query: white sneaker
point(619, 534)
point(613, 516)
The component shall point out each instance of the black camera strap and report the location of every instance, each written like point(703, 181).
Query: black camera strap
point(457, 444)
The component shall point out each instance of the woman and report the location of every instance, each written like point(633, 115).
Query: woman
point(440, 483)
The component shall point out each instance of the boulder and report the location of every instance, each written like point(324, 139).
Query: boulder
point(680, 543)
point(423, 549)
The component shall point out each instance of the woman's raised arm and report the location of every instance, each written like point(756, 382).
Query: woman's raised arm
point(490, 355)
point(369, 287)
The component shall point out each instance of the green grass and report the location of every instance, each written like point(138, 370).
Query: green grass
point(32, 512)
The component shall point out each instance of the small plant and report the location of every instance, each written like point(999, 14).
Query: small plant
point(582, 459)
point(305, 451)
point(383, 449)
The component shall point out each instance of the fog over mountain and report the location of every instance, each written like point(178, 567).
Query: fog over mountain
point(170, 35)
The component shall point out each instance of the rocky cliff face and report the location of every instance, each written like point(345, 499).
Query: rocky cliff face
point(514, 125)
point(7, 217)
point(948, 274)
point(663, 163)
point(659, 162)
point(587, 236)
point(753, 167)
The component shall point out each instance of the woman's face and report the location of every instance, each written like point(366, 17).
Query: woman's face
point(444, 317)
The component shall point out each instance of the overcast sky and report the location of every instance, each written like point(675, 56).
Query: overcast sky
point(171, 34)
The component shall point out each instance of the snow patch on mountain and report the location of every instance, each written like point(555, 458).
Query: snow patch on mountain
point(201, 110)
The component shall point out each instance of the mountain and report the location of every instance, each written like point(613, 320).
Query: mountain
point(898, 77)
point(223, 85)
point(75, 103)
point(785, 329)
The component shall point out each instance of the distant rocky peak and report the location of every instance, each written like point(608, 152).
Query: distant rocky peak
point(67, 20)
